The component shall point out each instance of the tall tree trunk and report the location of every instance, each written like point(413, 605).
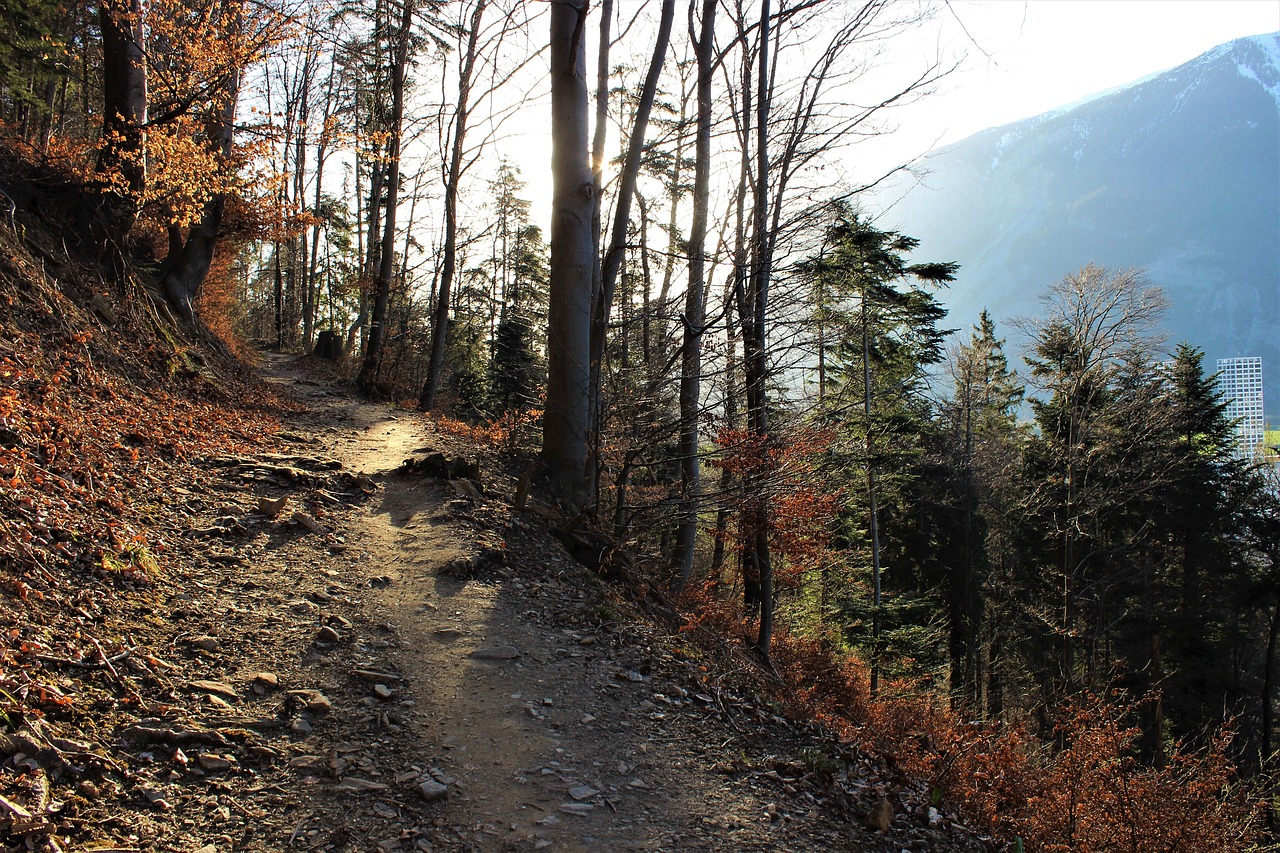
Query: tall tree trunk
point(613, 257)
point(694, 309)
point(440, 322)
point(368, 378)
point(124, 107)
point(755, 336)
point(873, 508)
point(566, 424)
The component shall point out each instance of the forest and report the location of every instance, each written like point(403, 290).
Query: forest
point(1037, 573)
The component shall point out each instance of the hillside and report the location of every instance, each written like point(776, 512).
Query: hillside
point(234, 620)
point(1178, 173)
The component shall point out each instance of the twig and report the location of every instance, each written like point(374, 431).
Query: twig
point(297, 829)
point(105, 661)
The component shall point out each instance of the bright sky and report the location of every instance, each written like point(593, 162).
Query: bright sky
point(1042, 54)
point(1023, 58)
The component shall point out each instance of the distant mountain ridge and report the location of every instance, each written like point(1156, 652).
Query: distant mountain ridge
point(1178, 172)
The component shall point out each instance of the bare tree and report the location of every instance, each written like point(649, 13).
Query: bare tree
point(368, 378)
point(566, 423)
point(695, 312)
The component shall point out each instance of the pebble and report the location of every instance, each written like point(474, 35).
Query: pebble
point(209, 644)
point(328, 635)
point(431, 790)
point(219, 687)
point(383, 691)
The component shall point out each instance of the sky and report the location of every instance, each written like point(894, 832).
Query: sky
point(1018, 58)
point(1025, 57)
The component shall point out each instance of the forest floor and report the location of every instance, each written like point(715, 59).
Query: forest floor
point(389, 660)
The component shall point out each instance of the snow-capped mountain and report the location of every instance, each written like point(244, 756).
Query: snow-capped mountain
point(1178, 173)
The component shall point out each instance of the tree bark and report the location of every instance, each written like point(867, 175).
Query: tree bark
point(694, 308)
point(566, 423)
point(368, 378)
point(184, 273)
point(755, 336)
point(613, 257)
point(124, 108)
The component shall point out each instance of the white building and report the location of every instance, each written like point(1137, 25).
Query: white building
point(1240, 383)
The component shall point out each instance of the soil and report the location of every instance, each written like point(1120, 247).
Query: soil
point(397, 661)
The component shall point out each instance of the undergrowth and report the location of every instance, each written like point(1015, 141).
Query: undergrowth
point(1085, 792)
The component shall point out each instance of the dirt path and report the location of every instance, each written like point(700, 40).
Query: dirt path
point(540, 708)
point(554, 720)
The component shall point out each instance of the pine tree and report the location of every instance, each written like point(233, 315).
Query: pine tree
point(879, 336)
point(983, 448)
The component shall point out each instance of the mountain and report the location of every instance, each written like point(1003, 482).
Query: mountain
point(1178, 173)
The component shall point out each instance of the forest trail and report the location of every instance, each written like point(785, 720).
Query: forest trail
point(553, 722)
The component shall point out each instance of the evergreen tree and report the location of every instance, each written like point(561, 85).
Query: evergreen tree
point(879, 335)
point(982, 451)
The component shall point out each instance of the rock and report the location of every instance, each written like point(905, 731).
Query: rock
point(580, 809)
point(272, 507)
point(496, 653)
point(212, 762)
point(638, 783)
point(209, 644)
point(432, 791)
point(448, 633)
point(266, 679)
point(219, 687)
point(313, 700)
point(87, 789)
point(300, 725)
point(382, 691)
point(467, 489)
point(881, 815)
point(103, 307)
point(308, 521)
point(582, 792)
point(303, 607)
point(328, 635)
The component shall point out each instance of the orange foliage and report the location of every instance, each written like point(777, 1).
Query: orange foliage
point(509, 431)
point(84, 450)
point(802, 504)
point(1091, 795)
point(218, 303)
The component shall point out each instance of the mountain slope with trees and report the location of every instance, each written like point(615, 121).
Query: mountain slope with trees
point(1176, 174)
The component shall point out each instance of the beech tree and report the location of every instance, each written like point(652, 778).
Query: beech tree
point(124, 109)
point(566, 424)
